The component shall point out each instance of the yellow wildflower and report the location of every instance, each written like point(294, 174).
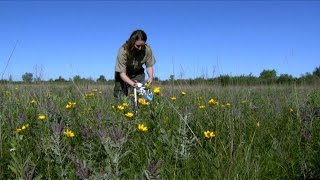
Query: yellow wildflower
point(25, 126)
point(147, 85)
point(173, 98)
point(89, 95)
point(143, 102)
point(213, 102)
point(157, 90)
point(183, 93)
point(68, 133)
point(18, 130)
point(129, 114)
point(120, 107)
point(209, 134)
point(291, 110)
point(41, 117)
point(202, 107)
point(68, 106)
point(71, 105)
point(125, 104)
point(142, 128)
point(33, 101)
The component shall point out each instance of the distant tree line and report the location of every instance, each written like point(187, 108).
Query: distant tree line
point(266, 77)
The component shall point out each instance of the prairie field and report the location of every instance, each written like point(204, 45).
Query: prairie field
point(52, 131)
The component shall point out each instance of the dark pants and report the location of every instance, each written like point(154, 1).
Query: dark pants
point(121, 88)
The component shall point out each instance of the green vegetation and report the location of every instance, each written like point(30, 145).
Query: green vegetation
point(266, 77)
point(72, 131)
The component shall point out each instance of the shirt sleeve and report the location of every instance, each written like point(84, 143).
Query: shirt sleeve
point(121, 61)
point(150, 60)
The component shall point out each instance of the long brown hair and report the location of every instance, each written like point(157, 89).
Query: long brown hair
point(135, 36)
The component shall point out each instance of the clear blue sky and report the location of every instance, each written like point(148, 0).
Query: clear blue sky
point(189, 38)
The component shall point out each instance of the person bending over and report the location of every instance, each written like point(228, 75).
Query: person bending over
point(129, 70)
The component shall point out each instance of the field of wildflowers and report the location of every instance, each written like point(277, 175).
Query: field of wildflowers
point(186, 132)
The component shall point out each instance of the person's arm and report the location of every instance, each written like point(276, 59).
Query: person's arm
point(121, 67)
point(126, 79)
point(150, 74)
point(149, 64)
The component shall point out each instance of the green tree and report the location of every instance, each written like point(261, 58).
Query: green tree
point(172, 78)
point(27, 77)
point(101, 79)
point(77, 79)
point(316, 72)
point(268, 76)
point(309, 78)
point(60, 79)
point(224, 80)
point(285, 79)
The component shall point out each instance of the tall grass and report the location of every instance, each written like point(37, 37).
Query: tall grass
point(260, 132)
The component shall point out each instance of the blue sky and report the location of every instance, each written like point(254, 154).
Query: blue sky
point(189, 38)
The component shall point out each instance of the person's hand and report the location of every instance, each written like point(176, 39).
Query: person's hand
point(135, 83)
point(149, 81)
